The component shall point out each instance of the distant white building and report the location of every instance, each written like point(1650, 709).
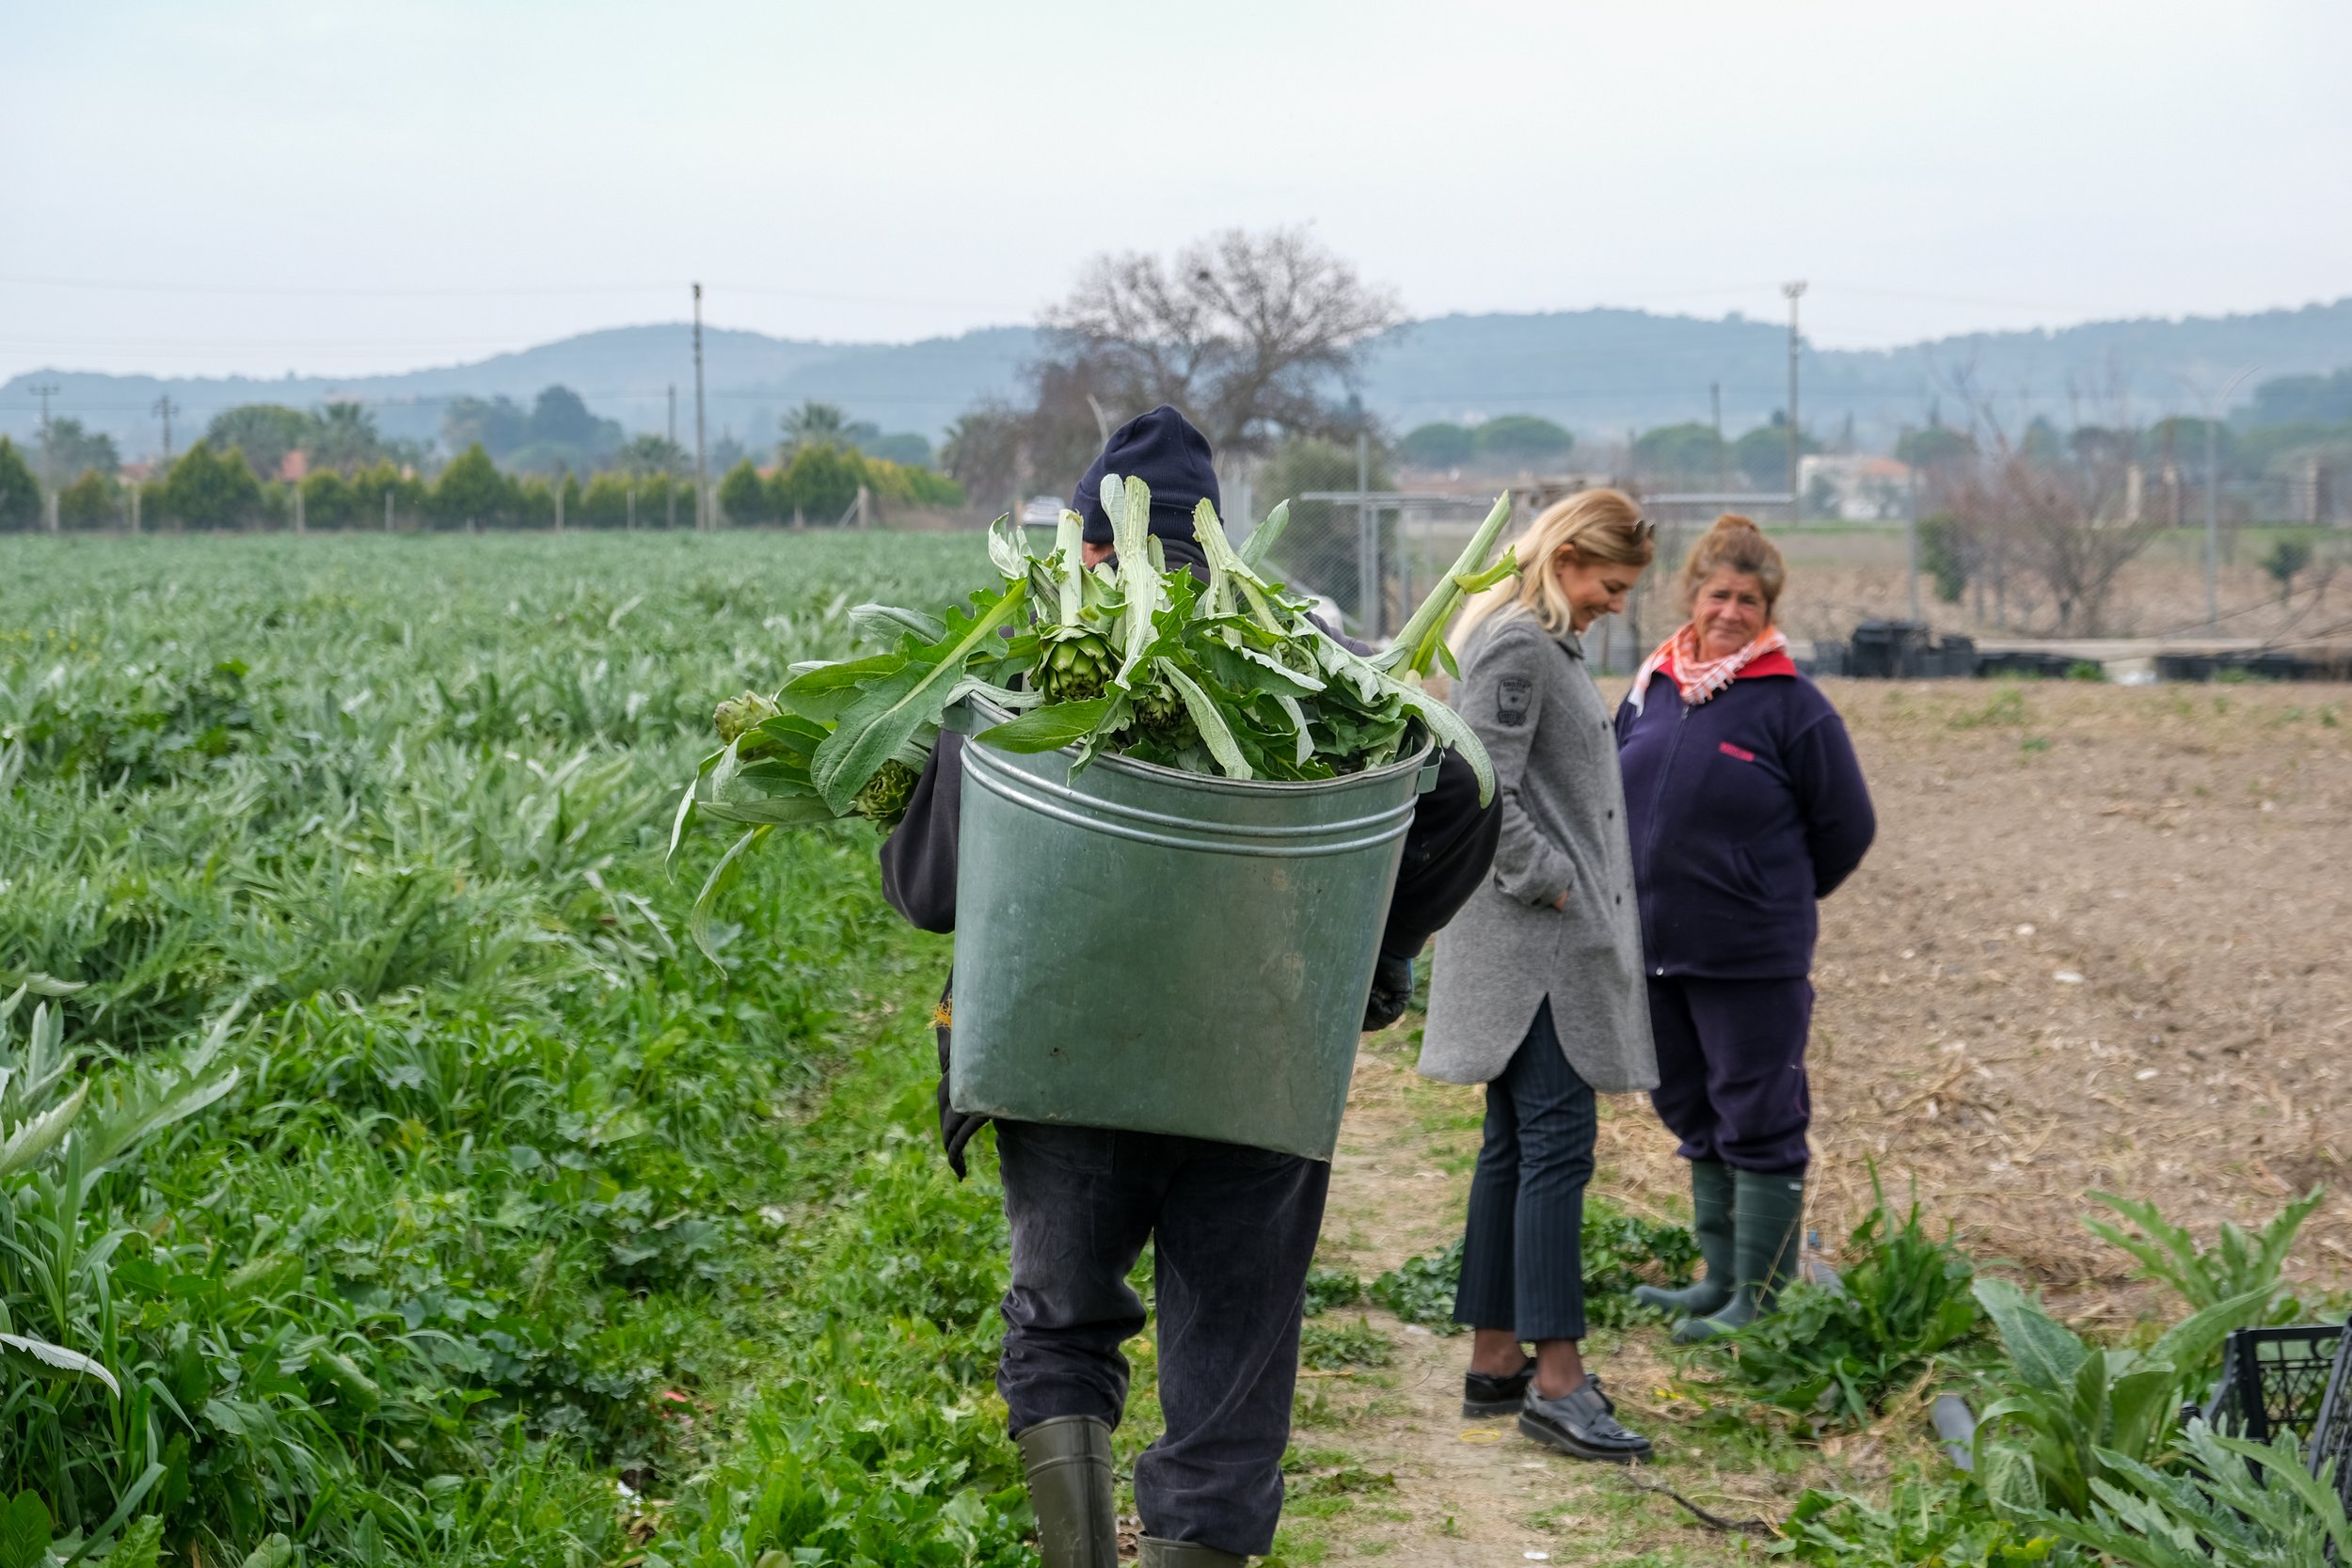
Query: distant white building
point(1857, 489)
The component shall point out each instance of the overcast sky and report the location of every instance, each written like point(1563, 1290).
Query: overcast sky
point(261, 185)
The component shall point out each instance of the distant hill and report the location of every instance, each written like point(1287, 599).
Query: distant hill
point(1599, 372)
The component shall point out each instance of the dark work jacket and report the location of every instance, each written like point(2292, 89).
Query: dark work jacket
point(1743, 811)
point(1447, 852)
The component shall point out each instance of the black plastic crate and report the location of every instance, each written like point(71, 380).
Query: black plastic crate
point(2030, 663)
point(1889, 650)
point(2275, 1380)
point(2332, 1434)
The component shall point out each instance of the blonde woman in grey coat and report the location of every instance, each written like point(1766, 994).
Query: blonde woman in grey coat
point(1537, 992)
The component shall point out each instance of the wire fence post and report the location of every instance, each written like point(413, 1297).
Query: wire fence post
point(1367, 544)
point(1910, 535)
point(2213, 521)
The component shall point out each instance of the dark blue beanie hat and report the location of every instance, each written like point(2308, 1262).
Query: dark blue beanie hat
point(1164, 451)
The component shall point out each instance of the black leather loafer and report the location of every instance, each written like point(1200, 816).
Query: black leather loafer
point(1582, 1424)
point(1493, 1394)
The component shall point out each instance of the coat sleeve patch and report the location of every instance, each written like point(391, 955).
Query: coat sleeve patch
point(1512, 694)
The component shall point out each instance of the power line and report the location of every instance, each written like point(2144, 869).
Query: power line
point(124, 285)
point(494, 291)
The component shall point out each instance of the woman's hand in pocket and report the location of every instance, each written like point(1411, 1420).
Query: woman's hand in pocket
point(1560, 903)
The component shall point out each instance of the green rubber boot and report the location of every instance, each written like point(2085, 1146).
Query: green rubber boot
point(1712, 1225)
point(1184, 1554)
point(1767, 1225)
point(1067, 1463)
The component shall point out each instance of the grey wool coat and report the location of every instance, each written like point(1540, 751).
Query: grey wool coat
point(1533, 703)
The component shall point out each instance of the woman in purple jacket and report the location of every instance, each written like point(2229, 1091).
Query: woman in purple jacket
point(1745, 807)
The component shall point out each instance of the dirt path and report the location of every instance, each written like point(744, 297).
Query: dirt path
point(2099, 945)
point(1395, 1472)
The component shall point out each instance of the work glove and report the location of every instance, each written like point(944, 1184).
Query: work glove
point(1391, 992)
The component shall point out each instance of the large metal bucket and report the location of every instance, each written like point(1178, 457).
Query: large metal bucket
point(1142, 948)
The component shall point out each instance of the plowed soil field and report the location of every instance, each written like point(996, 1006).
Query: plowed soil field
point(2101, 945)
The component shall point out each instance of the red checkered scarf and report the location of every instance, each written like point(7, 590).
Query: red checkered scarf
point(1696, 678)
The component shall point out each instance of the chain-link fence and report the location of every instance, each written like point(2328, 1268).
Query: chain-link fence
point(1354, 540)
point(1373, 548)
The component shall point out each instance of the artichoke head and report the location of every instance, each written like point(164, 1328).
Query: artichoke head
point(1074, 664)
point(738, 714)
point(1161, 713)
point(884, 800)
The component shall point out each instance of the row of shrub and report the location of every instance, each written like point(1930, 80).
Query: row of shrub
point(821, 482)
point(208, 489)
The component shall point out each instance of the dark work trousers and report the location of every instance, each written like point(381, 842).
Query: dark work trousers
point(1233, 1230)
point(1523, 1253)
point(1731, 1080)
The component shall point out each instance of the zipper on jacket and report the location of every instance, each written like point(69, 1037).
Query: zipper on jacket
point(1649, 848)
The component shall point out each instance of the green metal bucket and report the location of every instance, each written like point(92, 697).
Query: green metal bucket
point(1142, 948)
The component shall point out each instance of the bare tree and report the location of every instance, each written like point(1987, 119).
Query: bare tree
point(1254, 337)
point(2062, 509)
point(1250, 335)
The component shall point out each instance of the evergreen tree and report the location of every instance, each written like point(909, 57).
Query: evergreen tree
point(743, 497)
point(20, 496)
point(210, 490)
point(471, 490)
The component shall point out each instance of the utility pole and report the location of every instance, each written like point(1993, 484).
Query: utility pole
point(1715, 402)
point(702, 500)
point(2214, 406)
point(46, 391)
point(1367, 543)
point(1796, 502)
point(165, 408)
point(1910, 535)
point(2213, 521)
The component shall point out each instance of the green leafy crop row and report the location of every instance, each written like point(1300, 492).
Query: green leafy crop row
point(504, 1200)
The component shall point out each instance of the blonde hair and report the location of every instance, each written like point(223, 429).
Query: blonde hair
point(1592, 525)
point(1737, 544)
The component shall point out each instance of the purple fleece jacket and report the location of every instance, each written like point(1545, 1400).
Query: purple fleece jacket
point(1744, 811)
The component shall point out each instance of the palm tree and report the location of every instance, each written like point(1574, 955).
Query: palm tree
point(343, 436)
point(824, 424)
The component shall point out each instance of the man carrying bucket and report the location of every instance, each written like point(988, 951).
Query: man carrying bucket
point(1233, 1227)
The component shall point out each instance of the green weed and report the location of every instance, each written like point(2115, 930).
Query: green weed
point(2005, 709)
point(1943, 1522)
point(1327, 1348)
point(1900, 1307)
point(2233, 1266)
point(1329, 1287)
